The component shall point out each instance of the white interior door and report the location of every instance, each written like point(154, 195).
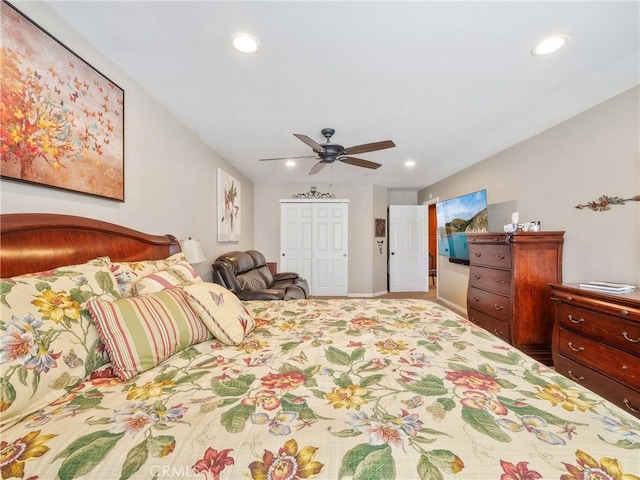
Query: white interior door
point(296, 239)
point(408, 248)
point(330, 262)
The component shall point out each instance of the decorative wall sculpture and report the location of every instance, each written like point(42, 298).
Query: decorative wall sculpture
point(603, 203)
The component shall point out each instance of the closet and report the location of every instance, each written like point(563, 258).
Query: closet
point(314, 243)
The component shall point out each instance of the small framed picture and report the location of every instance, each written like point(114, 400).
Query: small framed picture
point(380, 227)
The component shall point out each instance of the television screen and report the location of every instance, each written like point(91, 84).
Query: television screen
point(457, 217)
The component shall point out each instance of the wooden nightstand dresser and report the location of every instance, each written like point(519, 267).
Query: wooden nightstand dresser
point(508, 292)
point(596, 342)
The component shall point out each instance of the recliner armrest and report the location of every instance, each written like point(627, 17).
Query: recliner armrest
point(294, 292)
point(278, 277)
point(262, 294)
point(297, 283)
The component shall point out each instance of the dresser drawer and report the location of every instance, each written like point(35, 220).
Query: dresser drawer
point(621, 366)
point(490, 279)
point(493, 304)
point(624, 306)
point(623, 334)
point(622, 395)
point(498, 328)
point(492, 255)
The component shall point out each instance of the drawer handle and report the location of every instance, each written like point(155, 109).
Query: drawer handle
point(570, 298)
point(627, 404)
point(498, 332)
point(575, 349)
point(575, 320)
point(502, 281)
point(477, 277)
point(570, 373)
point(498, 307)
point(475, 320)
point(624, 312)
point(632, 340)
point(478, 254)
point(475, 299)
point(499, 256)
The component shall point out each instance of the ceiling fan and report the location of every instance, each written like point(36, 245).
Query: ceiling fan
point(330, 152)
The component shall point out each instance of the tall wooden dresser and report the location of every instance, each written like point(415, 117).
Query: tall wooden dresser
point(596, 342)
point(508, 292)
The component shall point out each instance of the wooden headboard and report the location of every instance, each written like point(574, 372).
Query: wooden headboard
point(33, 242)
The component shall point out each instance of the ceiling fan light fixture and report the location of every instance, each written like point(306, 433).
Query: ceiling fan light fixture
point(549, 45)
point(327, 153)
point(410, 163)
point(245, 43)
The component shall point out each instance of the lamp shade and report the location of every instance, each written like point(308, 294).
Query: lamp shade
point(193, 251)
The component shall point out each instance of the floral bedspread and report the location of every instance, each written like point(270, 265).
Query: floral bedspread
point(333, 389)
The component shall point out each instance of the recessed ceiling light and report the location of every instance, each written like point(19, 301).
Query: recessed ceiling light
point(290, 163)
point(409, 163)
point(549, 44)
point(245, 43)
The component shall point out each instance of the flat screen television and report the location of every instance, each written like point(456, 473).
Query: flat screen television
point(457, 217)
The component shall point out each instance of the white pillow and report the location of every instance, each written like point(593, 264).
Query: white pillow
point(221, 311)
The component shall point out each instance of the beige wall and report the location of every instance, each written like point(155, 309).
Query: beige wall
point(595, 153)
point(170, 174)
point(402, 197)
point(367, 268)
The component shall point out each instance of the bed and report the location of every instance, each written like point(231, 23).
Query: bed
point(332, 389)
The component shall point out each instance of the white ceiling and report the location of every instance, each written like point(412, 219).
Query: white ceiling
point(449, 82)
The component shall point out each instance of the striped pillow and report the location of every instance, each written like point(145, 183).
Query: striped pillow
point(180, 274)
point(141, 332)
point(127, 273)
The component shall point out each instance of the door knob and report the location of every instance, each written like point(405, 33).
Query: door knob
point(393, 253)
point(283, 254)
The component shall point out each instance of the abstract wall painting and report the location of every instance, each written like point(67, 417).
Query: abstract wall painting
point(228, 208)
point(62, 121)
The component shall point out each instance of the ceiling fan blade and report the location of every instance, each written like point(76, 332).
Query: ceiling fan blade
point(286, 158)
point(312, 143)
point(359, 162)
point(317, 167)
point(369, 147)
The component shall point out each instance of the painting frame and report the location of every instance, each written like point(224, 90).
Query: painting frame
point(62, 119)
point(380, 228)
point(229, 207)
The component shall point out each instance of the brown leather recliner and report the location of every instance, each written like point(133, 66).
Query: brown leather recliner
point(246, 274)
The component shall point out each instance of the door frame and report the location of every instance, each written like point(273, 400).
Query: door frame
point(428, 203)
